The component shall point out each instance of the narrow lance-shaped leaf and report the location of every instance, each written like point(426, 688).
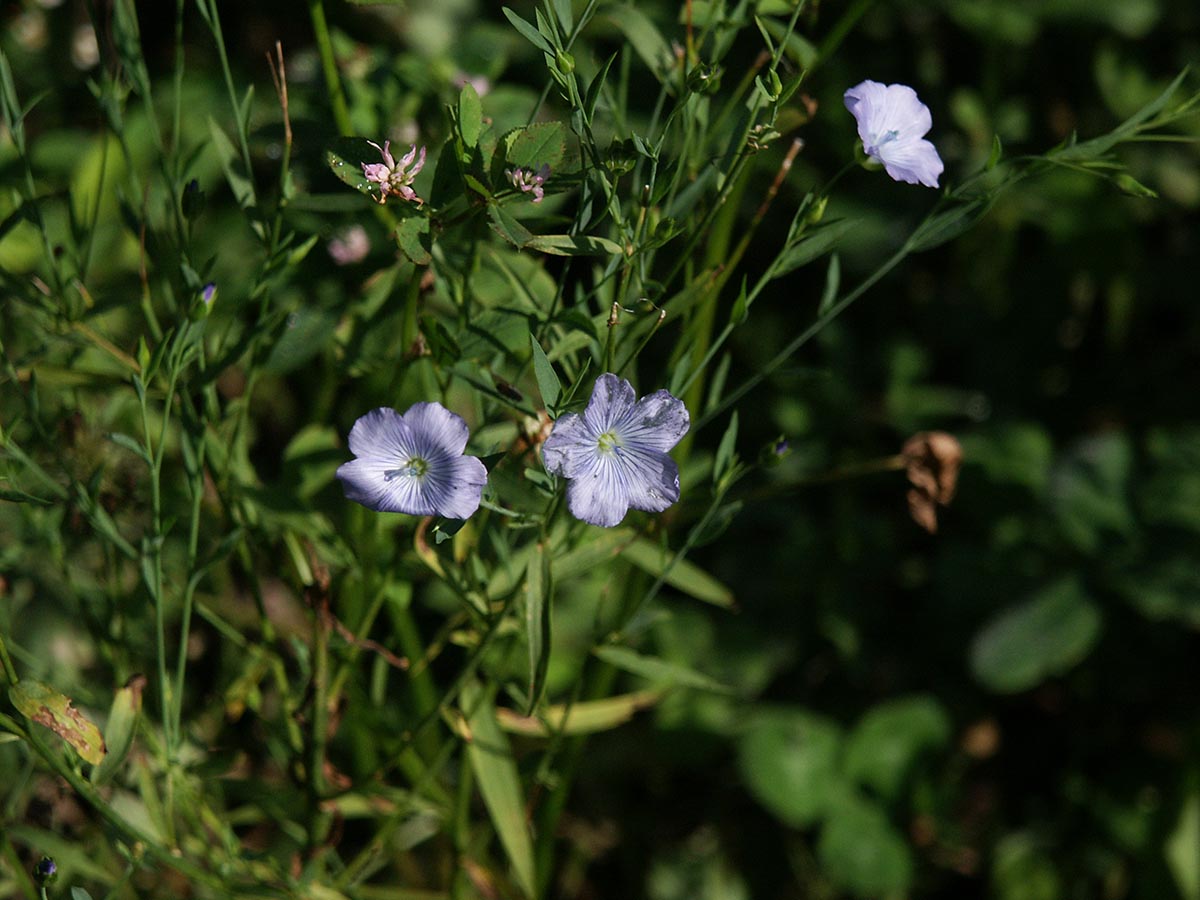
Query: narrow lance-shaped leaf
point(496, 772)
point(121, 728)
point(725, 457)
point(659, 670)
point(681, 575)
point(587, 717)
point(538, 593)
point(573, 245)
point(594, 89)
point(812, 245)
point(530, 33)
point(543, 371)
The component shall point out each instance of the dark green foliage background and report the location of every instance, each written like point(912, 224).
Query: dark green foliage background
point(1006, 708)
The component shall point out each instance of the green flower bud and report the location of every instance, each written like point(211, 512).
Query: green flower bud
point(704, 79)
point(817, 213)
point(193, 201)
point(621, 157)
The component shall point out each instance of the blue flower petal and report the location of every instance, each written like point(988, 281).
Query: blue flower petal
point(892, 123)
point(456, 493)
point(916, 162)
point(614, 454)
point(657, 484)
point(381, 433)
point(658, 421)
point(570, 441)
point(597, 494)
point(437, 428)
point(611, 400)
point(412, 463)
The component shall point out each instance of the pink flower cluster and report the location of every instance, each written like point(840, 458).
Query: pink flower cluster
point(529, 181)
point(395, 177)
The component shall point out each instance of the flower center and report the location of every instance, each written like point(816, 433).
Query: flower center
point(608, 442)
point(414, 467)
point(886, 138)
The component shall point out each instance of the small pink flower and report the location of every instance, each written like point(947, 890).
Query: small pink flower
point(395, 177)
point(349, 246)
point(529, 181)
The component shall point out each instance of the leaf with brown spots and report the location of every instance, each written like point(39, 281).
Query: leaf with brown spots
point(48, 707)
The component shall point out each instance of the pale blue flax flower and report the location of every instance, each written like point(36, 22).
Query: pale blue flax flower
point(413, 463)
point(893, 123)
point(614, 454)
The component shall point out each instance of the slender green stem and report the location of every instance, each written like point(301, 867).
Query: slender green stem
point(10, 671)
point(800, 340)
point(320, 712)
point(333, 82)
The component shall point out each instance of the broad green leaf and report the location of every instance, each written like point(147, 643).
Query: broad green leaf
point(122, 725)
point(863, 852)
point(790, 759)
point(543, 371)
point(533, 146)
point(684, 576)
point(812, 245)
point(574, 245)
point(659, 670)
point(470, 115)
point(48, 707)
point(586, 717)
point(538, 596)
point(1042, 637)
point(413, 238)
point(496, 772)
point(345, 158)
point(886, 742)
